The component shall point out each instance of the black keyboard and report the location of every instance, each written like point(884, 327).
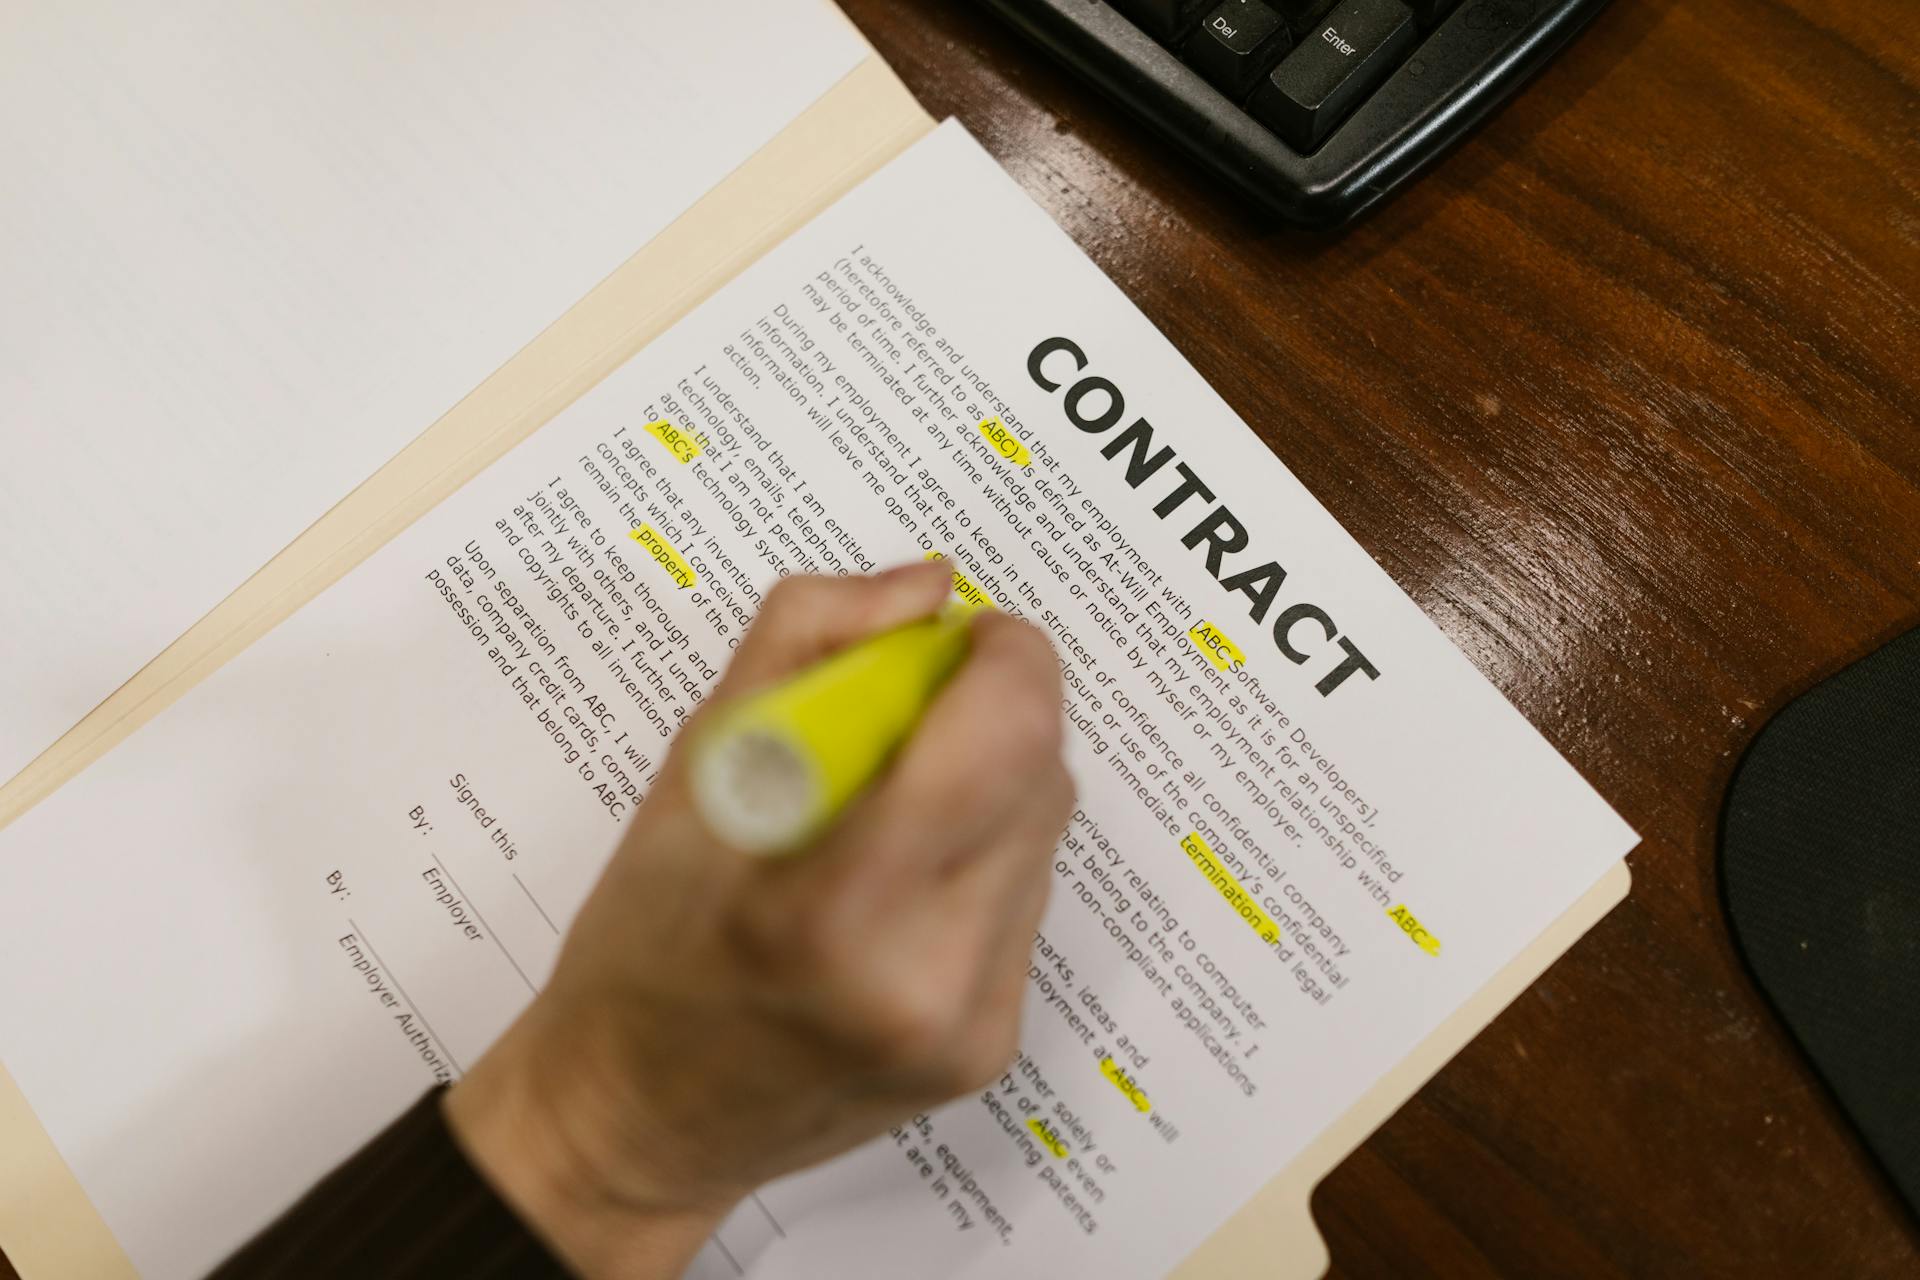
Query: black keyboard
point(1315, 108)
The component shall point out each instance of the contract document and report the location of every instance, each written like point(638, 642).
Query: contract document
point(328, 877)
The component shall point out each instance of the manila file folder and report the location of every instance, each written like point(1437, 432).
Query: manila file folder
point(47, 1226)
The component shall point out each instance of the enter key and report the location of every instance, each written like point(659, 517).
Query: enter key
point(1336, 62)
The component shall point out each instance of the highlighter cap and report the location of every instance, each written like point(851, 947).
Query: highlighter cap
point(757, 789)
point(774, 769)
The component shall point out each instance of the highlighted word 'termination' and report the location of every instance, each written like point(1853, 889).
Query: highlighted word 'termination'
point(1200, 853)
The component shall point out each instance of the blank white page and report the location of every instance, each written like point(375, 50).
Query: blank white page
point(248, 252)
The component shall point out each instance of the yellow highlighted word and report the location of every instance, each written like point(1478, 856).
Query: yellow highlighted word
point(1005, 443)
point(1212, 642)
point(683, 445)
point(1202, 856)
point(665, 556)
point(1125, 1083)
point(1049, 1138)
point(1415, 930)
point(966, 588)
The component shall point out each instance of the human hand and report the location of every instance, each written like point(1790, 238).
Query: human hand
point(717, 1020)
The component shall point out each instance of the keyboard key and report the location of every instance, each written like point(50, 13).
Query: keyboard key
point(1238, 43)
point(1300, 14)
point(1164, 20)
point(1343, 58)
point(1429, 12)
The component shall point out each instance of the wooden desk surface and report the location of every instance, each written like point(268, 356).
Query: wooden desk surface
point(1624, 395)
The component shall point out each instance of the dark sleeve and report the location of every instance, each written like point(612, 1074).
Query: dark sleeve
point(406, 1205)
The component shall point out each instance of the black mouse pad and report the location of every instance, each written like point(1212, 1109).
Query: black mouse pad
point(1820, 863)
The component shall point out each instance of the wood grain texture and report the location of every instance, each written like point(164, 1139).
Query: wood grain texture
point(1623, 394)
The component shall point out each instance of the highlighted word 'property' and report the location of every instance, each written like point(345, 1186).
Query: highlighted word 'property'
point(683, 445)
point(1213, 644)
point(1200, 853)
point(665, 556)
point(969, 591)
point(1412, 927)
point(1005, 443)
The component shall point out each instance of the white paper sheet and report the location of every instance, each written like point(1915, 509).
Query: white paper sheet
point(226, 951)
point(248, 252)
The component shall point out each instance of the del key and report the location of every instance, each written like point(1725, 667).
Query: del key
point(1236, 44)
point(1337, 61)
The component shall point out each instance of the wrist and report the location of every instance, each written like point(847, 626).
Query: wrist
point(539, 1132)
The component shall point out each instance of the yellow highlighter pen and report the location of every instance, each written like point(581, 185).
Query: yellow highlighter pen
point(772, 771)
